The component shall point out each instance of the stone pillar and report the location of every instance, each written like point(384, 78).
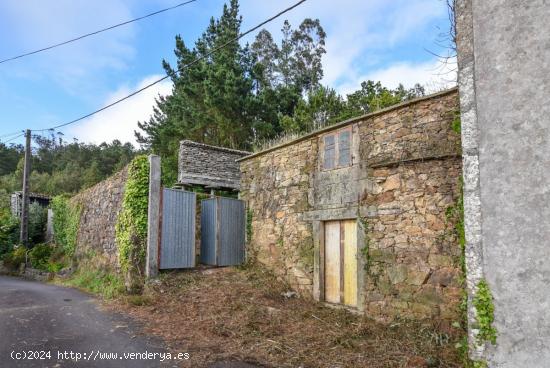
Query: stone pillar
point(504, 80)
point(318, 260)
point(153, 215)
point(49, 226)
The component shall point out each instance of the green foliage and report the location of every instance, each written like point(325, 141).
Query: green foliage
point(13, 259)
point(365, 250)
point(456, 124)
point(131, 227)
point(456, 215)
point(61, 167)
point(483, 303)
point(39, 256)
point(9, 231)
point(97, 281)
point(322, 107)
point(373, 96)
point(37, 223)
point(66, 221)
point(249, 217)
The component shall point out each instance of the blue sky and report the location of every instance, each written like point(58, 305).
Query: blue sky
point(366, 39)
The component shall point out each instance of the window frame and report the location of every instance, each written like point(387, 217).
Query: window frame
point(336, 135)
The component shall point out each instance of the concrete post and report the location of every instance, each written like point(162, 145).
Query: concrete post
point(153, 214)
point(504, 79)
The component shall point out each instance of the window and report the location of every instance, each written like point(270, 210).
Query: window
point(330, 152)
point(337, 149)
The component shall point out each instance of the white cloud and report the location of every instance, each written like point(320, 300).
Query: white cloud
point(360, 34)
point(79, 67)
point(435, 75)
point(120, 121)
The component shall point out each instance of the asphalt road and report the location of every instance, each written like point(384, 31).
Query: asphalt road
point(37, 319)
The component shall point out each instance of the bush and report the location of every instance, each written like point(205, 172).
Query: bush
point(9, 231)
point(13, 259)
point(40, 256)
point(131, 226)
point(98, 281)
point(66, 219)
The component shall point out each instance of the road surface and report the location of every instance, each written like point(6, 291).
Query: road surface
point(39, 320)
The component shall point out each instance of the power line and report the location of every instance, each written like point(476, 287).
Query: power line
point(96, 32)
point(10, 134)
point(184, 66)
point(14, 138)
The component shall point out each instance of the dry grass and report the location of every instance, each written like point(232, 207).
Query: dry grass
point(240, 314)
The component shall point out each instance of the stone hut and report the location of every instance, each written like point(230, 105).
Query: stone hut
point(16, 200)
point(209, 166)
point(358, 214)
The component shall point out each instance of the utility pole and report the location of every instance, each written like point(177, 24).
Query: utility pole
point(24, 235)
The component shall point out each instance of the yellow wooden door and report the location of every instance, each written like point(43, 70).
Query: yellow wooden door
point(332, 261)
point(350, 261)
point(341, 262)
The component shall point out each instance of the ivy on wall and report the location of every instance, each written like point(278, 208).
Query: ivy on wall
point(483, 303)
point(66, 221)
point(483, 300)
point(131, 226)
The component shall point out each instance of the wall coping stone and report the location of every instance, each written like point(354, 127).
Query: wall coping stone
point(350, 121)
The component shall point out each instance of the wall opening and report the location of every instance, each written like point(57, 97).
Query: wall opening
point(340, 265)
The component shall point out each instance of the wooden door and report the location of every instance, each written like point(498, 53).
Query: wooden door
point(332, 261)
point(341, 262)
point(350, 261)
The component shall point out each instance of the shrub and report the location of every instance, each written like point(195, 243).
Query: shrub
point(66, 219)
point(40, 256)
point(131, 226)
point(9, 231)
point(98, 281)
point(13, 259)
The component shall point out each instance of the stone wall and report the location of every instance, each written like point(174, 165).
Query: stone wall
point(100, 206)
point(201, 164)
point(404, 174)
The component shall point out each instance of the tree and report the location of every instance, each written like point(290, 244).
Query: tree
point(373, 96)
point(212, 100)
point(322, 107)
point(297, 63)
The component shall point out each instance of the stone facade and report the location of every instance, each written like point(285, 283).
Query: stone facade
point(402, 177)
point(100, 206)
point(209, 166)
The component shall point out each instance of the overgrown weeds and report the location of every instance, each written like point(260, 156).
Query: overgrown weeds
point(248, 314)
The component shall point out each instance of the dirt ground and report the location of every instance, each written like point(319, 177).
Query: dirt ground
point(230, 314)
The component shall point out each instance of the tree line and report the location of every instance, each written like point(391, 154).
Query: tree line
point(61, 167)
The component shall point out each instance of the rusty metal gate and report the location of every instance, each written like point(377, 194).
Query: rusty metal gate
point(223, 223)
point(177, 242)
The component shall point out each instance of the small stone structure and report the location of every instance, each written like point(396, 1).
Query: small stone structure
point(209, 166)
point(100, 206)
point(17, 201)
point(393, 173)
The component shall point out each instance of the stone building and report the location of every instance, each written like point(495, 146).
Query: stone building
point(16, 200)
point(355, 214)
point(209, 166)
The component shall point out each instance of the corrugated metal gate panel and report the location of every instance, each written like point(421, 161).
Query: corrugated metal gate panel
point(177, 248)
point(223, 231)
point(208, 232)
point(232, 231)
